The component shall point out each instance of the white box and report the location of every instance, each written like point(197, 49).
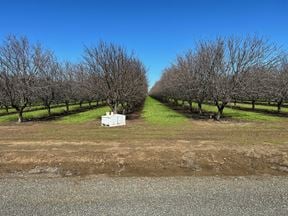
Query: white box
point(113, 120)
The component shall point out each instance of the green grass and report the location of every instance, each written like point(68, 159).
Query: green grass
point(242, 115)
point(29, 108)
point(155, 112)
point(39, 113)
point(3, 111)
point(86, 116)
point(262, 107)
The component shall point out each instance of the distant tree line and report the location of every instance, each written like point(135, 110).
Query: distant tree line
point(30, 74)
point(226, 70)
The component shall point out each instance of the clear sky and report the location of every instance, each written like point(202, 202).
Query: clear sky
point(155, 30)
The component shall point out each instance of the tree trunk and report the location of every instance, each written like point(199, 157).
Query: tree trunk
point(220, 110)
point(176, 102)
point(97, 103)
point(20, 116)
point(190, 106)
point(279, 103)
point(89, 102)
point(49, 110)
point(115, 108)
point(219, 113)
point(235, 103)
point(123, 109)
point(67, 106)
point(200, 108)
point(253, 104)
point(80, 104)
point(7, 109)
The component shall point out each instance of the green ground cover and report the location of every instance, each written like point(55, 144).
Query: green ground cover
point(86, 116)
point(155, 112)
point(40, 113)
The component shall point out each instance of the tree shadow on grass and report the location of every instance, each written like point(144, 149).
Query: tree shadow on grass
point(184, 109)
point(30, 109)
point(135, 114)
point(259, 110)
point(56, 116)
point(194, 114)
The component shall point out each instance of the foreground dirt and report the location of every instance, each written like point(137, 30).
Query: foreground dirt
point(198, 148)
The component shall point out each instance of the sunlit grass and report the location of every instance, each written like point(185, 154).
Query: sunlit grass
point(3, 111)
point(27, 109)
point(242, 115)
point(155, 112)
point(260, 106)
point(39, 113)
point(86, 116)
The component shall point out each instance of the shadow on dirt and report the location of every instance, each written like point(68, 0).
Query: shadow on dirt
point(136, 114)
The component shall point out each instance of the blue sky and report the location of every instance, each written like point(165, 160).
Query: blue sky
point(155, 30)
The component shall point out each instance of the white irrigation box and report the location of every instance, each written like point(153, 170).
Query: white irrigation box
point(113, 120)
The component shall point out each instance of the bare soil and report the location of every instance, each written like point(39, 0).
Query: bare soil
point(199, 147)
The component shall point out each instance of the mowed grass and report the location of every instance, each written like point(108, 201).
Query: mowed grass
point(39, 113)
point(86, 116)
point(242, 115)
point(3, 111)
point(155, 112)
point(260, 106)
point(29, 108)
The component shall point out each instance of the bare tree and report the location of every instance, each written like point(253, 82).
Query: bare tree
point(17, 73)
point(239, 56)
point(116, 70)
point(255, 84)
point(280, 85)
point(250, 58)
point(134, 83)
point(4, 100)
point(68, 84)
point(89, 86)
point(184, 78)
point(220, 71)
point(48, 77)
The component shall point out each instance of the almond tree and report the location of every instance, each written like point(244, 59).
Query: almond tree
point(251, 58)
point(184, 78)
point(120, 73)
point(280, 86)
point(222, 70)
point(255, 84)
point(89, 86)
point(68, 84)
point(48, 77)
point(17, 73)
point(135, 86)
point(239, 56)
point(4, 100)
